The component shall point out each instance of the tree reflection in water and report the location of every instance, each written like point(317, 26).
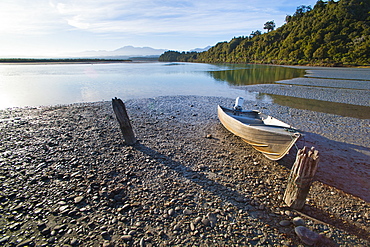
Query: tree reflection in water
point(256, 74)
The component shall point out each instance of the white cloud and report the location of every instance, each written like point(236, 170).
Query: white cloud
point(148, 16)
point(38, 25)
point(27, 17)
point(138, 16)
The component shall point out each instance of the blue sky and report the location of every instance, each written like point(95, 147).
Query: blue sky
point(57, 27)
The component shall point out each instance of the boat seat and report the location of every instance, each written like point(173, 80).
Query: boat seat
point(248, 120)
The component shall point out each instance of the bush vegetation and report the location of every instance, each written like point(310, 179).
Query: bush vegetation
point(330, 34)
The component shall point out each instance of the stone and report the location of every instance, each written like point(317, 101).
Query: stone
point(46, 231)
point(212, 218)
point(298, 221)
point(126, 237)
point(4, 239)
point(107, 244)
point(187, 211)
point(142, 242)
point(37, 210)
point(192, 226)
point(284, 223)
point(171, 212)
point(19, 207)
point(15, 226)
point(306, 235)
point(59, 227)
point(78, 199)
point(177, 227)
point(126, 207)
point(63, 208)
point(105, 235)
point(289, 213)
point(74, 242)
point(27, 242)
point(206, 222)
point(197, 220)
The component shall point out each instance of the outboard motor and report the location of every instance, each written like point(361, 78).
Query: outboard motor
point(238, 104)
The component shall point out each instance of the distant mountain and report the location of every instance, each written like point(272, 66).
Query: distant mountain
point(201, 49)
point(128, 52)
point(138, 51)
point(123, 52)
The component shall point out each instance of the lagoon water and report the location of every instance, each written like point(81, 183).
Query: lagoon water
point(51, 84)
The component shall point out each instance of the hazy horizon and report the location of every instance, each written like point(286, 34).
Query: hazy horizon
point(49, 28)
point(125, 51)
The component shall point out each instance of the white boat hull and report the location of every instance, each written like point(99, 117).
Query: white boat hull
point(272, 137)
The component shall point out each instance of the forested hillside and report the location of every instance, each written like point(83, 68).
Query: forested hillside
point(331, 33)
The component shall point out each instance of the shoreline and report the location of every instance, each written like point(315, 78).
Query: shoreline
point(306, 67)
point(60, 62)
point(80, 176)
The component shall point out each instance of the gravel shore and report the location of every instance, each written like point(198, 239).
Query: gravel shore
point(67, 178)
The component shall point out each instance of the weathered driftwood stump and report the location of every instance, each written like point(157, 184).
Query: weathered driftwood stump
point(301, 176)
point(124, 121)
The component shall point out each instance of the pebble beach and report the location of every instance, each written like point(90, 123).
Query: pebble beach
point(68, 178)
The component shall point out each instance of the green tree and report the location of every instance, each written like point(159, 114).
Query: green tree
point(255, 33)
point(270, 26)
point(332, 33)
point(301, 10)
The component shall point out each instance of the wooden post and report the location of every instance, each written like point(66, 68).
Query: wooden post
point(124, 121)
point(301, 176)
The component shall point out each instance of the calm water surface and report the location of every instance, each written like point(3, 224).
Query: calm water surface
point(51, 84)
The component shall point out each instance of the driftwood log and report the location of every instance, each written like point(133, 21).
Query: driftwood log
point(124, 121)
point(301, 177)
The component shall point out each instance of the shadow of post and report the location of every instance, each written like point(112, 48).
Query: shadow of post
point(321, 216)
point(342, 165)
point(233, 197)
point(240, 201)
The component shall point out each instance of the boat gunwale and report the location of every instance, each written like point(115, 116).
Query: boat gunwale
point(291, 132)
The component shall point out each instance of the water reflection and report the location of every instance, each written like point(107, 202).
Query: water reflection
point(33, 85)
point(346, 110)
point(242, 75)
point(256, 74)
